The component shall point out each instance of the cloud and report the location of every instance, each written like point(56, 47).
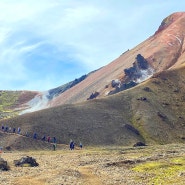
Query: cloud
point(47, 43)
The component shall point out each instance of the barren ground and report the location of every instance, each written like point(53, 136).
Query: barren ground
point(164, 164)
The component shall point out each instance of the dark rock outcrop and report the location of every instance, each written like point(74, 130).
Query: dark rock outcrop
point(123, 87)
point(139, 144)
point(26, 161)
point(56, 91)
point(134, 72)
point(93, 95)
point(115, 83)
point(4, 165)
point(139, 71)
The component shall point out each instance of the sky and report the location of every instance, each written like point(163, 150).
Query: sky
point(45, 44)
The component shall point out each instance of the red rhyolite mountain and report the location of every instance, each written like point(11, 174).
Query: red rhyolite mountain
point(162, 51)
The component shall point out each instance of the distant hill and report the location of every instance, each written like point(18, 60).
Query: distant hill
point(12, 102)
point(137, 97)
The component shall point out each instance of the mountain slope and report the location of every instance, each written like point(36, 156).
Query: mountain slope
point(164, 50)
point(152, 112)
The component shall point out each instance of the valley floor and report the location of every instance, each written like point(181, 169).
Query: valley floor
point(164, 164)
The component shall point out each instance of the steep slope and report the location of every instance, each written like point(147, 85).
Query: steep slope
point(164, 50)
point(152, 112)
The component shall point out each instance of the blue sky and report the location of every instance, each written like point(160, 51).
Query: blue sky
point(45, 43)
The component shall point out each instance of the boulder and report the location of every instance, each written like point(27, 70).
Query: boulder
point(93, 95)
point(26, 162)
point(162, 116)
point(139, 144)
point(3, 165)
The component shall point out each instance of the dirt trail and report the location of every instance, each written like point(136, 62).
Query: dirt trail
point(37, 143)
point(28, 181)
point(88, 177)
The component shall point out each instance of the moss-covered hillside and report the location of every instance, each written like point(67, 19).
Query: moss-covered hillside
point(152, 112)
point(11, 102)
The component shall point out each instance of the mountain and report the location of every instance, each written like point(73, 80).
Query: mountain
point(162, 51)
point(137, 97)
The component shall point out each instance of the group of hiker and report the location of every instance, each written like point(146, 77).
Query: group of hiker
point(72, 145)
point(34, 135)
point(10, 129)
point(48, 139)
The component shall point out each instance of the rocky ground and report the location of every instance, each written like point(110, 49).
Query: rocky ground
point(164, 164)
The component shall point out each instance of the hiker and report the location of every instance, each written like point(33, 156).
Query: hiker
point(80, 145)
point(1, 150)
point(2, 127)
point(10, 129)
point(19, 130)
point(44, 138)
point(35, 136)
point(72, 145)
point(54, 146)
point(48, 139)
point(14, 129)
point(6, 129)
point(54, 140)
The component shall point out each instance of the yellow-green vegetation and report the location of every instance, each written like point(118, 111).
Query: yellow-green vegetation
point(12, 101)
point(163, 172)
point(8, 99)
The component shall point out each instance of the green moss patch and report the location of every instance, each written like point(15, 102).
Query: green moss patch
point(163, 172)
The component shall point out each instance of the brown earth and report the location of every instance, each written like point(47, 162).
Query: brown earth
point(163, 165)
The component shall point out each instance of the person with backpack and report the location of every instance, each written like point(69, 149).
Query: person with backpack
point(48, 139)
point(35, 136)
point(19, 130)
point(80, 145)
point(72, 145)
point(54, 146)
point(44, 138)
point(54, 140)
point(14, 130)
